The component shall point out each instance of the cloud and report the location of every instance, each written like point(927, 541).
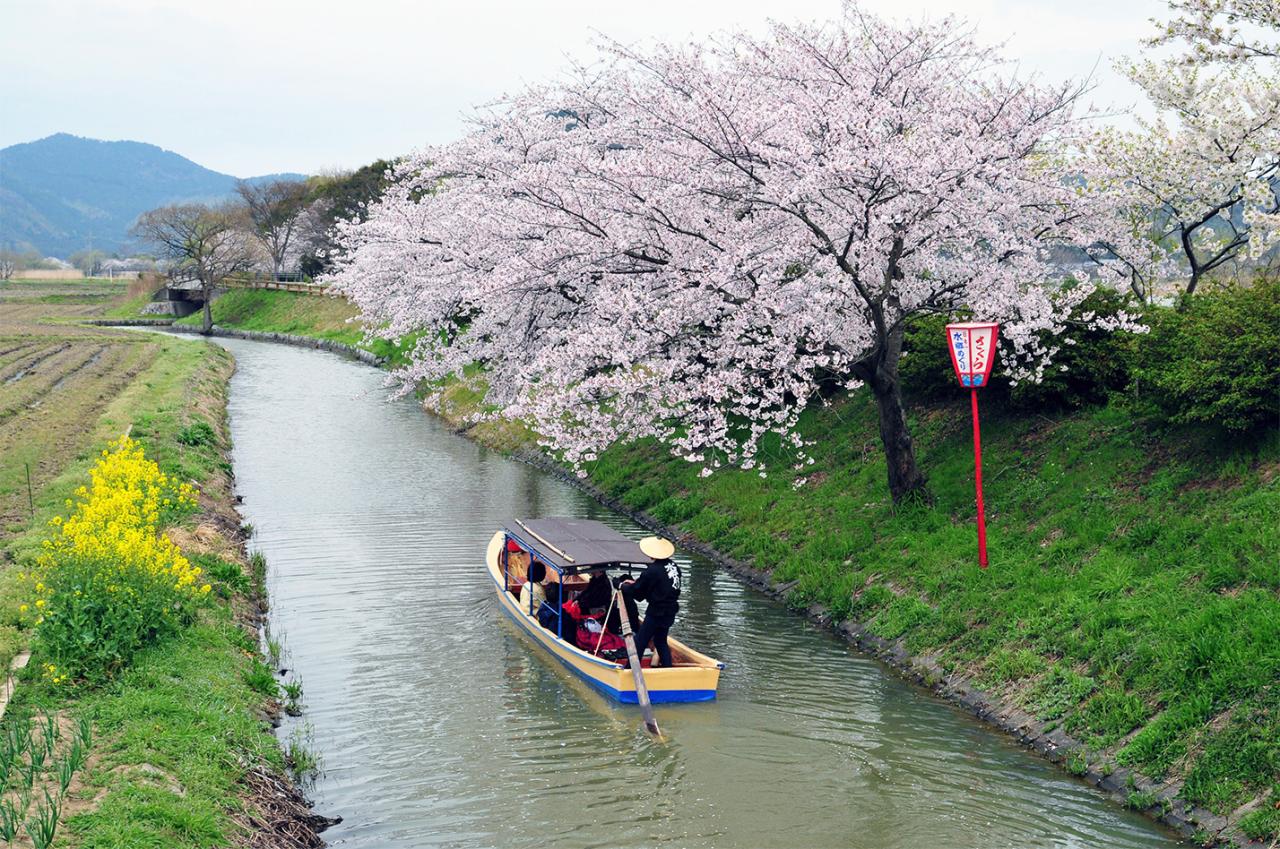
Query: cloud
point(252, 86)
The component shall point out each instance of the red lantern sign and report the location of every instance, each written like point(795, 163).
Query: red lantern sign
point(973, 353)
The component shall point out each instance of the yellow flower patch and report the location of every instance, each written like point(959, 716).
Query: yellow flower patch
point(108, 581)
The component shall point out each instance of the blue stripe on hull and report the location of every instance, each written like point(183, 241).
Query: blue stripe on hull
point(626, 697)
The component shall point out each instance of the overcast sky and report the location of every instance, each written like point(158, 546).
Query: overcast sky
point(256, 86)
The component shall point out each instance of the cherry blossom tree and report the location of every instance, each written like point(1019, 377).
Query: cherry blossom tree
point(1203, 175)
point(685, 243)
point(1222, 30)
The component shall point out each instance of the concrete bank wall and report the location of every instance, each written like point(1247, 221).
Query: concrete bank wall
point(287, 339)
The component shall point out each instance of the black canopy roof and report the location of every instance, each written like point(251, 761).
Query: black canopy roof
point(572, 545)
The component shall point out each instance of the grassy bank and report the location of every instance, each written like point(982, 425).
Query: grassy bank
point(1132, 592)
point(1133, 597)
point(176, 749)
point(284, 312)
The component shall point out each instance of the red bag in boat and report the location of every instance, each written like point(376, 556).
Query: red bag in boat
point(588, 640)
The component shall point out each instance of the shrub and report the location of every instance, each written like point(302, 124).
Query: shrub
point(1085, 371)
point(1216, 359)
point(198, 433)
point(108, 582)
point(1091, 366)
point(925, 367)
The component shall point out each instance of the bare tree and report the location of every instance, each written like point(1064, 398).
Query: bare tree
point(204, 242)
point(273, 210)
point(89, 261)
point(8, 265)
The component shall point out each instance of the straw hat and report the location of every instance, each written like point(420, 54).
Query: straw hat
point(657, 548)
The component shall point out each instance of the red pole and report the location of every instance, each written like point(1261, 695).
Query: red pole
point(977, 467)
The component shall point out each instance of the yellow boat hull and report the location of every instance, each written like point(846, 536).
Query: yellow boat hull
point(694, 678)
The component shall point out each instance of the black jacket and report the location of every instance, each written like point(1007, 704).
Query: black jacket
point(596, 594)
point(660, 584)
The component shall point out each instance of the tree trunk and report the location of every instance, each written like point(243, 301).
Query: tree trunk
point(880, 373)
point(905, 477)
point(1189, 249)
point(207, 325)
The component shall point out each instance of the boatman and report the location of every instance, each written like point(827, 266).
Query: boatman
point(659, 584)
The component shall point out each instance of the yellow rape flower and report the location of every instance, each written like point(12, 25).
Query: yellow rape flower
point(110, 551)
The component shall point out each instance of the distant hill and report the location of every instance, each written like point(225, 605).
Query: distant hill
point(64, 193)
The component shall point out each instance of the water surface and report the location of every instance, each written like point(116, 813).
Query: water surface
point(439, 724)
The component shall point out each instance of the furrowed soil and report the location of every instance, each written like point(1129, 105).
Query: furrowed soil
point(1130, 615)
point(182, 751)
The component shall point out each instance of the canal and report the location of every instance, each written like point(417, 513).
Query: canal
point(438, 724)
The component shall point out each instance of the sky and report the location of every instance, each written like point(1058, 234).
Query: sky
point(250, 87)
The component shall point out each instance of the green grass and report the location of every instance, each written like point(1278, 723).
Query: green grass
point(174, 728)
point(1134, 577)
point(175, 732)
point(318, 317)
point(155, 408)
point(1133, 595)
point(285, 312)
point(130, 308)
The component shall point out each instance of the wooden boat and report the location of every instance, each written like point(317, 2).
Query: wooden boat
point(570, 548)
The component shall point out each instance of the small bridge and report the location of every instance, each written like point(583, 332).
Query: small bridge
point(182, 295)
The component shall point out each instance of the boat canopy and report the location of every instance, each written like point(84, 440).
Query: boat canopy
point(575, 545)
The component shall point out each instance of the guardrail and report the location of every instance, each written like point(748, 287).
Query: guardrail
point(274, 284)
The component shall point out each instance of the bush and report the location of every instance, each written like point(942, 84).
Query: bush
point(198, 433)
point(1090, 370)
point(1083, 373)
point(1216, 360)
point(925, 368)
point(108, 582)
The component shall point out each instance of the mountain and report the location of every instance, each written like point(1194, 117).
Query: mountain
point(64, 193)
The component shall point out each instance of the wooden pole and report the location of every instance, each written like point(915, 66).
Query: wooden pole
point(563, 555)
point(31, 502)
point(642, 692)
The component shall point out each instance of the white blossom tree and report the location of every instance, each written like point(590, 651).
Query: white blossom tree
point(1222, 30)
point(1202, 177)
point(684, 243)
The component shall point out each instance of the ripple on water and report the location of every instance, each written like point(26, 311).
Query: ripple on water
point(439, 724)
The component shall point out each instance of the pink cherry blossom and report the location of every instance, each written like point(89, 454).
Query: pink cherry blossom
point(689, 243)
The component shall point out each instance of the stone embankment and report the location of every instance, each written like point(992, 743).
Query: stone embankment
point(255, 335)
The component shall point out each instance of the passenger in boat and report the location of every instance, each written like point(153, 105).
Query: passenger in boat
point(568, 622)
point(597, 593)
point(596, 599)
point(533, 594)
point(660, 585)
